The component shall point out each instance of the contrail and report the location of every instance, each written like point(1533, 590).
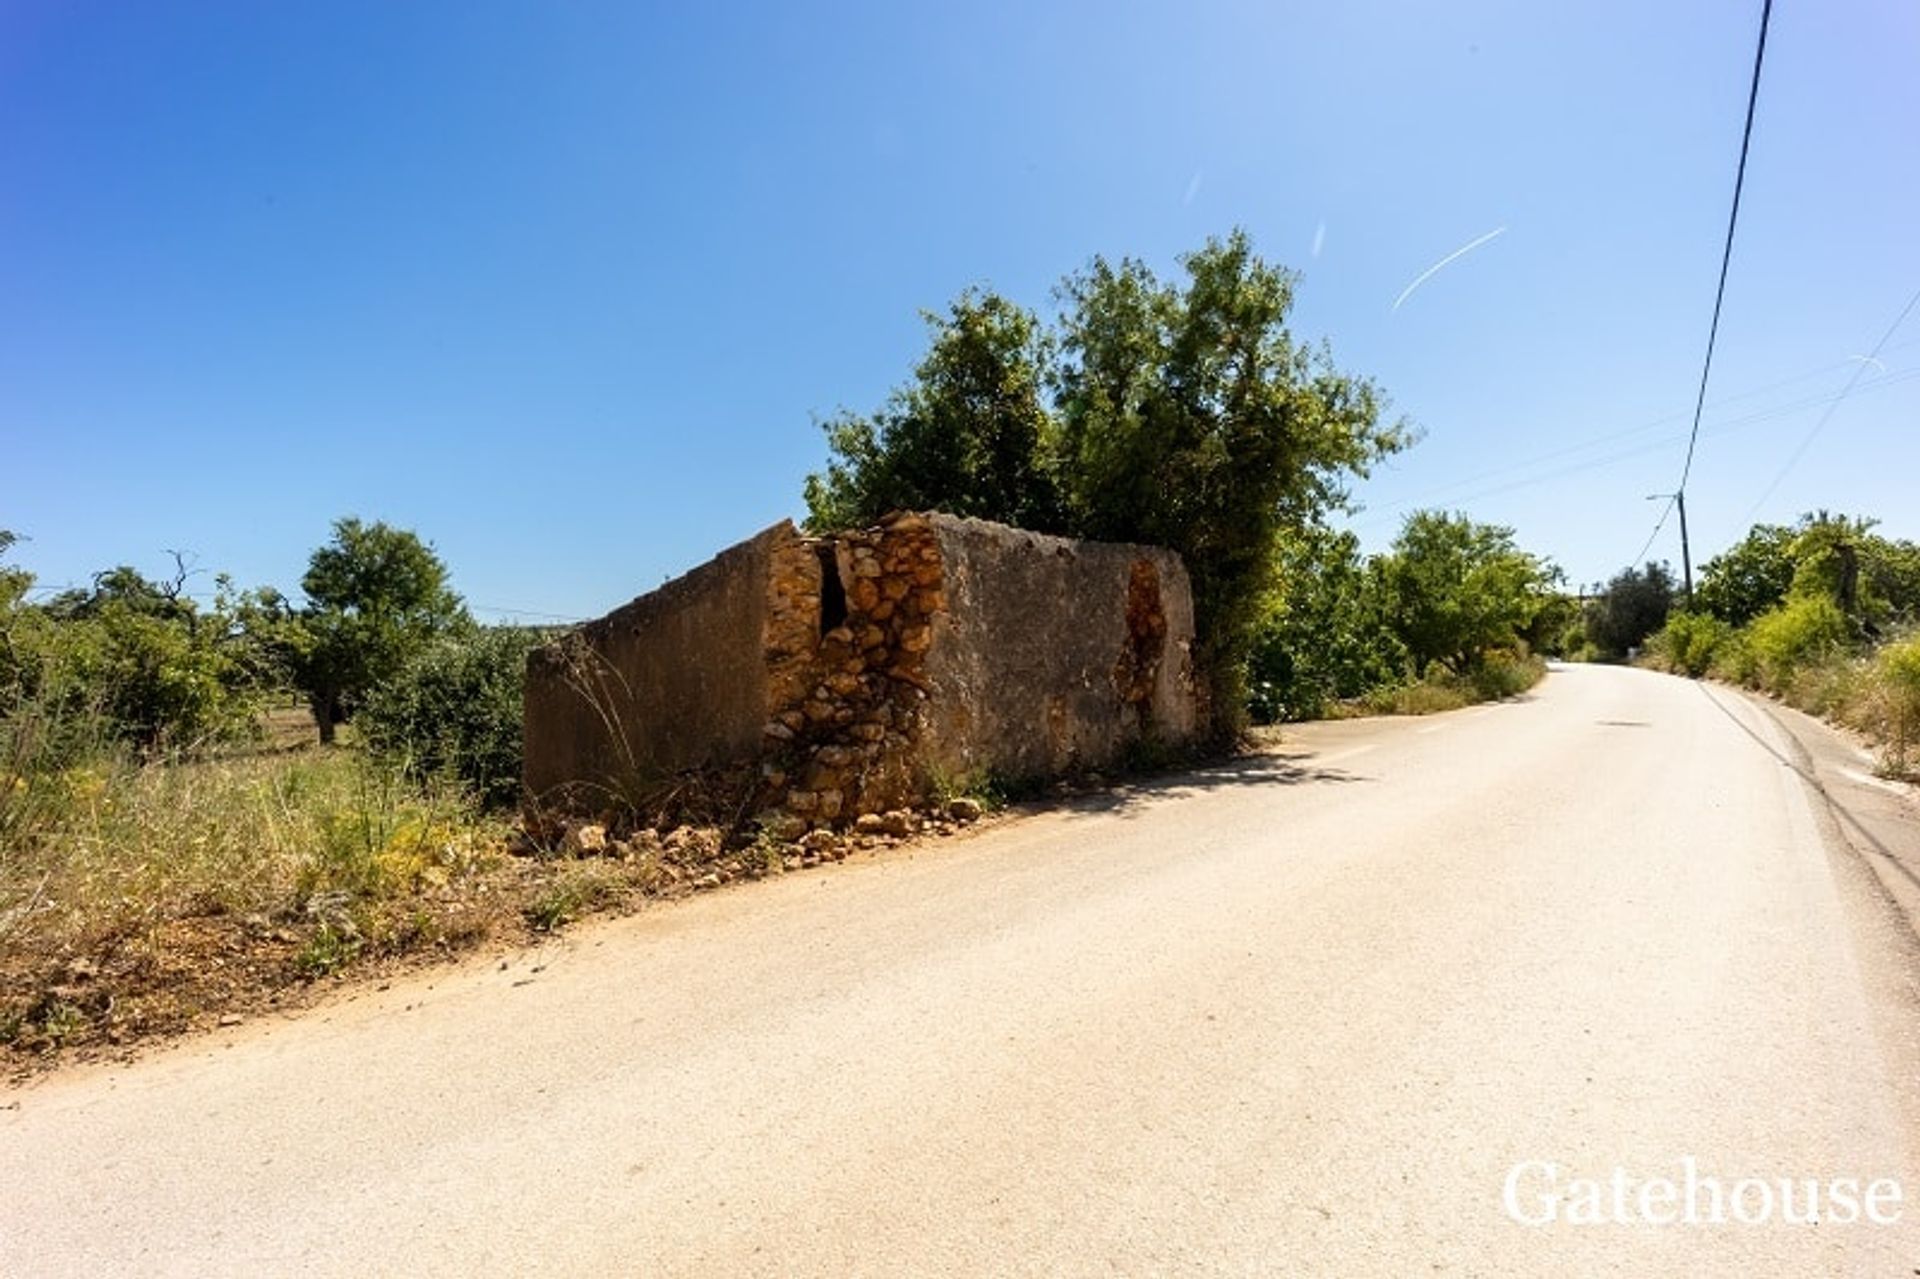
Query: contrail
point(1429, 273)
point(1868, 359)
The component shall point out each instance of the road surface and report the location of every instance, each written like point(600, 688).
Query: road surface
point(1300, 1015)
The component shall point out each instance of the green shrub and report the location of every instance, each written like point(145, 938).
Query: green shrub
point(1689, 643)
point(454, 711)
point(1504, 674)
point(1892, 701)
point(1833, 687)
point(1801, 632)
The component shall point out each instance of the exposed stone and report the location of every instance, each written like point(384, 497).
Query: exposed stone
point(965, 809)
point(869, 824)
point(898, 822)
point(785, 827)
point(584, 839)
point(777, 730)
point(830, 802)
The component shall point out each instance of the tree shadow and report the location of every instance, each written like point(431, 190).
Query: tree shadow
point(1126, 796)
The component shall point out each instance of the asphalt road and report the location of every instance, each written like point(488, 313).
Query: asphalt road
point(1297, 1016)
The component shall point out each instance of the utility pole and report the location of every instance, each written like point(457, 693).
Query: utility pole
point(1686, 548)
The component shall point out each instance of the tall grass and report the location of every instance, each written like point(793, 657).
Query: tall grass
point(1498, 676)
point(111, 847)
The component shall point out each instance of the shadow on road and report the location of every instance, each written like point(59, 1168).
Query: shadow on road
point(1245, 770)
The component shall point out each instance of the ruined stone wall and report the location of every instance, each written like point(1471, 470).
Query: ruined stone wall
point(677, 679)
point(844, 737)
point(1055, 654)
point(857, 669)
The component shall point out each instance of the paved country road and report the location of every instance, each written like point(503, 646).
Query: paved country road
point(1299, 1015)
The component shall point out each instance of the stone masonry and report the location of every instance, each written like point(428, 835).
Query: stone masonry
point(856, 672)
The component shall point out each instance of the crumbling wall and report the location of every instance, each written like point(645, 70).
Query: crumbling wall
point(845, 738)
point(1055, 654)
point(855, 670)
point(678, 679)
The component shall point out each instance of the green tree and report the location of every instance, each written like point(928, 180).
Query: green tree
point(1190, 418)
point(1459, 591)
point(970, 434)
point(453, 710)
point(1326, 636)
point(1629, 608)
point(1750, 577)
point(1182, 414)
point(375, 595)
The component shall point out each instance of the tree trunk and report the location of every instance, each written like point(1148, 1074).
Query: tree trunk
point(326, 714)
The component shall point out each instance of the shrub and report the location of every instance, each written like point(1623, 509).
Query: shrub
point(1505, 674)
point(1892, 701)
point(1689, 643)
point(453, 711)
point(1799, 633)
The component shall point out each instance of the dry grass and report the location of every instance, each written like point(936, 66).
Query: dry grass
point(145, 900)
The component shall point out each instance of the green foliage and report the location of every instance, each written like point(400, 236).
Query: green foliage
point(1893, 708)
point(1629, 609)
point(453, 710)
point(1799, 633)
point(1457, 590)
point(1180, 414)
point(1326, 637)
point(1190, 418)
point(971, 434)
point(1748, 579)
point(375, 596)
point(1874, 580)
point(129, 661)
point(1499, 675)
point(1690, 643)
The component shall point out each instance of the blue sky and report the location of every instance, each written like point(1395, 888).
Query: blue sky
point(563, 286)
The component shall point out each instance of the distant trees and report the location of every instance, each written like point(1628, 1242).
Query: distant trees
point(1629, 608)
point(1180, 413)
point(127, 659)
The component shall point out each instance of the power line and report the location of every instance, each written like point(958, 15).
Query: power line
point(1381, 515)
point(1719, 292)
point(1726, 253)
point(1859, 371)
point(1635, 562)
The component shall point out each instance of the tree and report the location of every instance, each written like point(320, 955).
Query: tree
point(1748, 578)
point(1191, 419)
point(970, 434)
point(1183, 415)
point(1457, 590)
point(453, 710)
point(1630, 608)
point(1874, 581)
point(375, 595)
point(1326, 635)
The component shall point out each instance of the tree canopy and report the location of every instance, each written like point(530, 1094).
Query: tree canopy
point(375, 595)
point(1458, 590)
point(1180, 413)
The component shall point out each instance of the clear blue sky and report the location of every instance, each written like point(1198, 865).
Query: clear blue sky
point(562, 286)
